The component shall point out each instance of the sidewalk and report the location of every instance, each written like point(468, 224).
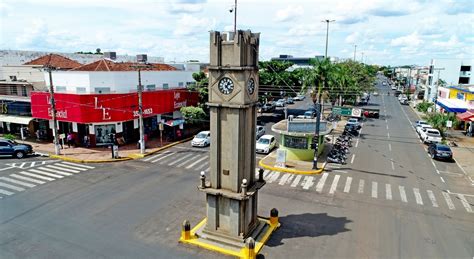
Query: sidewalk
point(98, 154)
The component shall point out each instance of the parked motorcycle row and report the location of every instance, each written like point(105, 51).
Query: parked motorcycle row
point(340, 149)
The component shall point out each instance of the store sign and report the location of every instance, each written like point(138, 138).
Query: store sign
point(343, 111)
point(96, 108)
point(305, 126)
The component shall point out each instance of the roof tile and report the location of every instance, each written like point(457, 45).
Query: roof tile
point(56, 61)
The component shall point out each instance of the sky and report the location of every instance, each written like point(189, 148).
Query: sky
point(386, 32)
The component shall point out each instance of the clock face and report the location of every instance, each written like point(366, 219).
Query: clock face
point(226, 86)
point(251, 86)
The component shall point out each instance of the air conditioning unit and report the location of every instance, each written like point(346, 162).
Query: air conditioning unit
point(13, 78)
point(142, 58)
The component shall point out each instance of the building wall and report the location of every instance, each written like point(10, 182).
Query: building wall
point(118, 82)
point(462, 95)
point(28, 74)
point(452, 68)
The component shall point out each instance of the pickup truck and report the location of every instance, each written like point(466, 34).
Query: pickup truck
point(12, 148)
point(430, 135)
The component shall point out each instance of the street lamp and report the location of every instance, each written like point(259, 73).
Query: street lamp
point(327, 33)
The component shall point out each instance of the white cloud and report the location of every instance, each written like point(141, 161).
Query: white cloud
point(306, 30)
point(191, 25)
point(453, 42)
point(289, 13)
point(411, 40)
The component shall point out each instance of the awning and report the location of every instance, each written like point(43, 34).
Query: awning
point(15, 119)
point(466, 116)
point(452, 105)
point(173, 123)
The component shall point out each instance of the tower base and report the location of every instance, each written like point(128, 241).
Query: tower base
point(228, 245)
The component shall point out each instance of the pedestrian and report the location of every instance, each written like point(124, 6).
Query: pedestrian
point(38, 135)
point(86, 141)
point(70, 140)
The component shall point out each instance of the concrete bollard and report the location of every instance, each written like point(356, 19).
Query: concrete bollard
point(244, 187)
point(186, 230)
point(250, 249)
point(274, 217)
point(260, 175)
point(203, 179)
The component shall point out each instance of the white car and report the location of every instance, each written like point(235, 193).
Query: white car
point(280, 103)
point(353, 122)
point(375, 94)
point(430, 135)
point(265, 144)
point(418, 129)
point(299, 97)
point(202, 139)
point(260, 131)
point(420, 122)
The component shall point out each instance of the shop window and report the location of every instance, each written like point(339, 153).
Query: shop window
point(296, 142)
point(60, 89)
point(465, 68)
point(103, 134)
point(181, 84)
point(464, 80)
point(166, 86)
point(150, 87)
point(24, 92)
point(80, 90)
point(13, 90)
point(102, 90)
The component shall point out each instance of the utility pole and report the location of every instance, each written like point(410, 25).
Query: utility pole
point(235, 17)
point(140, 107)
point(327, 35)
point(53, 111)
point(362, 58)
point(355, 51)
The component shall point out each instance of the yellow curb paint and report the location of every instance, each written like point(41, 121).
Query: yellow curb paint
point(243, 253)
point(291, 171)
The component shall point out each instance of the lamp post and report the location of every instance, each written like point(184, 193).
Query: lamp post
point(355, 51)
point(327, 34)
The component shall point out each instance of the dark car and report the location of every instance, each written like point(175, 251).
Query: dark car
point(267, 107)
point(351, 130)
point(12, 148)
point(440, 151)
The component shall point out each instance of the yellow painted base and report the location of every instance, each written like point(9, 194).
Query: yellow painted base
point(243, 253)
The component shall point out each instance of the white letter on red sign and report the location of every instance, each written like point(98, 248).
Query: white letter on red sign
point(105, 115)
point(96, 106)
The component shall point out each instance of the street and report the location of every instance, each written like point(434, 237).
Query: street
point(389, 201)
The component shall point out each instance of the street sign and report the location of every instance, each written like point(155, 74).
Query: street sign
point(280, 158)
point(449, 124)
point(343, 111)
point(356, 112)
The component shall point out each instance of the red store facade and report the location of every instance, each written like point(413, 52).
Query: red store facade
point(99, 115)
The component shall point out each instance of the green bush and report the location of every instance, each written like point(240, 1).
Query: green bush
point(438, 121)
point(9, 136)
point(423, 106)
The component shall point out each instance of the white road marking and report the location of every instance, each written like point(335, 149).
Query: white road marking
point(465, 203)
point(388, 135)
point(352, 159)
point(55, 171)
point(207, 169)
point(309, 182)
point(74, 164)
point(6, 168)
point(341, 171)
point(17, 182)
point(70, 167)
point(389, 147)
point(347, 187)
point(442, 179)
point(179, 159)
point(386, 126)
point(361, 186)
point(437, 171)
point(37, 176)
point(418, 199)
point(61, 169)
point(22, 164)
point(449, 202)
point(265, 173)
point(270, 175)
point(334, 184)
point(44, 173)
point(27, 179)
point(162, 157)
point(283, 179)
point(197, 162)
point(450, 173)
point(203, 165)
point(274, 177)
point(357, 142)
point(432, 198)
point(12, 187)
point(432, 162)
point(296, 181)
point(33, 164)
point(5, 192)
point(403, 195)
point(155, 156)
point(374, 189)
point(185, 162)
point(393, 166)
point(388, 191)
point(320, 185)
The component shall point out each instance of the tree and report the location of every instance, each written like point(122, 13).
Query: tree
point(202, 87)
point(193, 115)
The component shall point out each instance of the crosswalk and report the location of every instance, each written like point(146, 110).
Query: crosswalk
point(33, 176)
point(189, 160)
point(30, 164)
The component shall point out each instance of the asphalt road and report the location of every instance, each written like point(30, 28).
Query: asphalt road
point(365, 209)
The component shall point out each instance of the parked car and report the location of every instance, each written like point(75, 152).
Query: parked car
point(418, 129)
point(290, 100)
point(260, 131)
point(265, 144)
point(440, 151)
point(268, 107)
point(202, 139)
point(299, 97)
point(404, 101)
point(420, 122)
point(394, 87)
point(280, 103)
point(430, 135)
point(353, 122)
point(375, 93)
point(351, 130)
point(12, 148)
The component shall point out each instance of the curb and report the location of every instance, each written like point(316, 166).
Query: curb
point(292, 171)
point(129, 157)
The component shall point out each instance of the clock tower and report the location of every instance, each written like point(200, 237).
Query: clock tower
point(232, 186)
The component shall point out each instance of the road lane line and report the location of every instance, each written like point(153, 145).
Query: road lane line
point(386, 126)
point(79, 165)
point(320, 185)
point(418, 199)
point(37, 176)
point(393, 166)
point(432, 198)
point(334, 184)
point(465, 203)
point(308, 183)
point(449, 202)
point(54, 171)
point(357, 142)
point(347, 187)
point(361, 186)
point(59, 168)
point(27, 179)
point(17, 182)
point(388, 191)
point(388, 135)
point(442, 179)
point(12, 187)
point(179, 159)
point(283, 179)
point(403, 195)
point(341, 171)
point(374, 189)
point(352, 159)
point(389, 147)
point(22, 164)
point(32, 164)
point(437, 171)
point(274, 177)
point(296, 181)
point(162, 157)
point(196, 162)
point(44, 173)
point(5, 192)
